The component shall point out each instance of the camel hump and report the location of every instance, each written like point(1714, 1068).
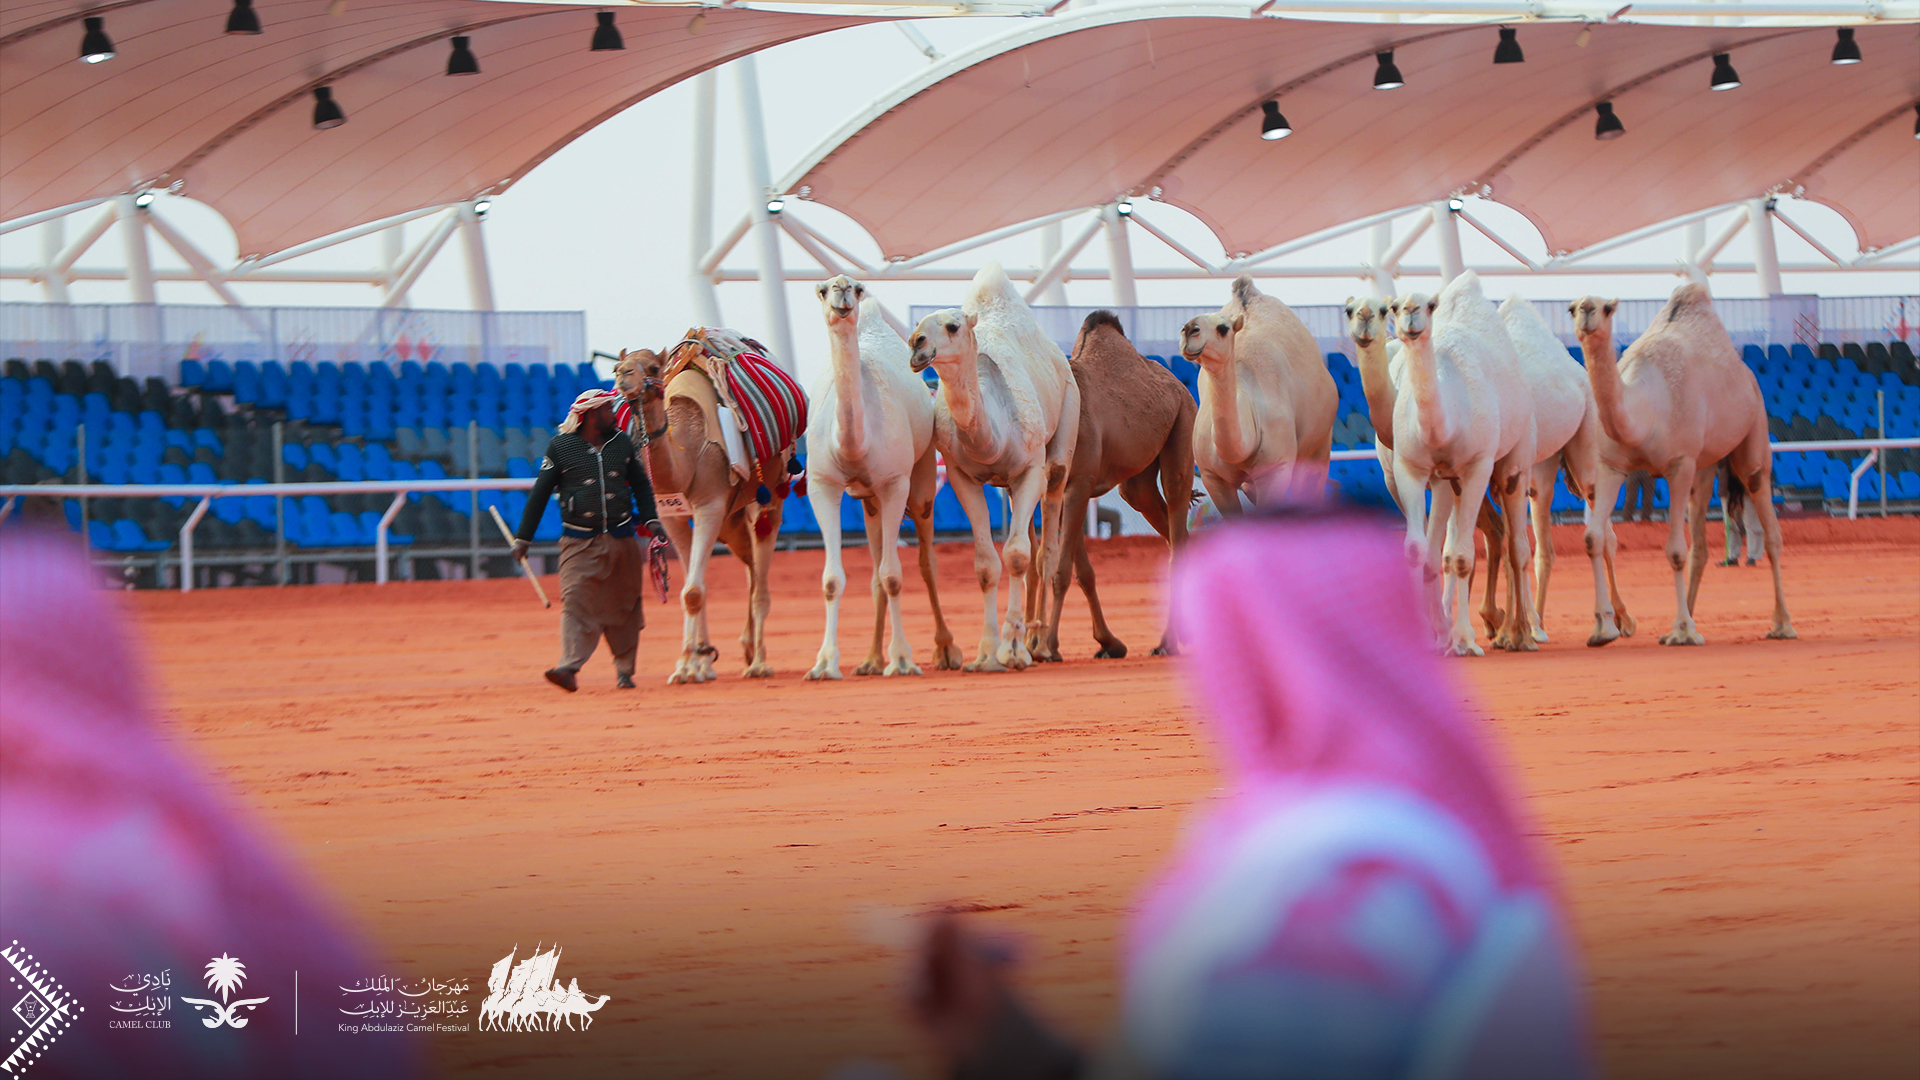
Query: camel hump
point(992, 289)
point(1687, 300)
point(1100, 318)
point(1245, 291)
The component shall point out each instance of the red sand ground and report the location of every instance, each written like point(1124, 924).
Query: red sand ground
point(1735, 824)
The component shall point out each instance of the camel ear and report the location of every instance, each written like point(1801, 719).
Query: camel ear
point(1610, 305)
point(972, 320)
point(1239, 323)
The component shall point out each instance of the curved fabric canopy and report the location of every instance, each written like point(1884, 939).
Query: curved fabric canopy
point(231, 116)
point(1166, 101)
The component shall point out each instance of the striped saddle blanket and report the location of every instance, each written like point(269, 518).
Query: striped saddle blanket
point(767, 404)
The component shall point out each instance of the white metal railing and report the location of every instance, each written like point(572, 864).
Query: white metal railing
point(400, 489)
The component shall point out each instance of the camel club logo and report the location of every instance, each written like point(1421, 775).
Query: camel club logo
point(224, 976)
point(44, 1009)
point(526, 997)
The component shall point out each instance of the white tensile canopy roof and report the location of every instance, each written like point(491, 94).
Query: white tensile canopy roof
point(1163, 101)
point(231, 117)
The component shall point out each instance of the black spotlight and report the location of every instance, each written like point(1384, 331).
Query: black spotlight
point(326, 111)
point(1724, 77)
point(606, 36)
point(1386, 76)
point(243, 19)
point(462, 61)
point(1846, 50)
point(1609, 125)
point(1274, 126)
point(94, 44)
point(1508, 51)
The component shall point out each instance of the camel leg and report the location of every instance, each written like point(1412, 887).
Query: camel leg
point(876, 660)
point(1679, 475)
point(1225, 495)
point(1143, 494)
point(1017, 557)
point(1422, 557)
point(694, 539)
point(1600, 543)
point(946, 655)
point(888, 578)
point(1699, 497)
point(1517, 632)
point(1541, 501)
point(825, 500)
point(1760, 497)
point(1494, 527)
point(1176, 488)
point(761, 601)
point(737, 533)
point(1039, 586)
point(1457, 563)
point(986, 568)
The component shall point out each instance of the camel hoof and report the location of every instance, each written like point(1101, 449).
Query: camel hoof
point(1682, 636)
point(902, 667)
point(679, 678)
point(1464, 649)
point(947, 657)
point(823, 670)
point(869, 667)
point(1113, 650)
point(984, 663)
point(1539, 636)
point(757, 671)
point(1627, 625)
point(1493, 620)
point(1784, 632)
point(1603, 634)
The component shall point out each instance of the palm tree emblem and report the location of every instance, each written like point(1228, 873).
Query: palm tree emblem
point(224, 976)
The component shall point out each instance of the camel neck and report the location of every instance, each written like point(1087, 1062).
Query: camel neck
point(848, 390)
point(664, 470)
point(1220, 394)
point(1377, 383)
point(961, 392)
point(1609, 389)
point(1423, 380)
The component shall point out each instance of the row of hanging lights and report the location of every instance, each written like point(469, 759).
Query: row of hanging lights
point(1386, 76)
point(96, 47)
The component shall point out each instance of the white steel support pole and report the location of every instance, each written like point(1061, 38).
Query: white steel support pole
point(479, 273)
point(1119, 258)
point(1382, 278)
point(1446, 227)
point(706, 299)
point(393, 246)
point(1694, 243)
point(760, 185)
point(1766, 257)
point(133, 233)
point(53, 237)
point(186, 543)
point(380, 537)
point(1050, 238)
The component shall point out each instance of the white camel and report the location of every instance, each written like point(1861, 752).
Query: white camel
point(577, 1004)
point(870, 434)
point(1008, 415)
point(1267, 402)
point(1566, 427)
point(1465, 421)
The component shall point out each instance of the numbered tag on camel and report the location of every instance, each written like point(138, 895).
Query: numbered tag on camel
point(671, 504)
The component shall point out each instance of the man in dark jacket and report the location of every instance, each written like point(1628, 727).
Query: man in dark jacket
point(598, 474)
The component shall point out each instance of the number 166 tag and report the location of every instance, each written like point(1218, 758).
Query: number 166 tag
point(670, 504)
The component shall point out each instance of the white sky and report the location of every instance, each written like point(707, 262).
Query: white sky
point(603, 225)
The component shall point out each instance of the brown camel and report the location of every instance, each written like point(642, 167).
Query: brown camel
point(1367, 323)
point(683, 457)
point(1677, 404)
point(1136, 433)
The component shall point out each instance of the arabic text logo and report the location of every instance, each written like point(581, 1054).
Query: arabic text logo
point(43, 1007)
point(529, 998)
point(224, 976)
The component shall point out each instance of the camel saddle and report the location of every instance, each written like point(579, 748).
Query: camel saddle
point(766, 404)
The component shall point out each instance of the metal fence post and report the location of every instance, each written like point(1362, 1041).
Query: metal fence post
point(279, 504)
point(186, 542)
point(380, 537)
point(80, 449)
point(1881, 398)
point(473, 515)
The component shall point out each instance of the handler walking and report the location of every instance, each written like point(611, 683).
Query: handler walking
point(593, 465)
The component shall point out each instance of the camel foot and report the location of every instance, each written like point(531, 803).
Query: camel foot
point(1683, 635)
point(1782, 632)
point(1493, 620)
point(1014, 655)
point(1604, 633)
point(761, 670)
point(902, 666)
point(1113, 650)
point(824, 669)
point(947, 657)
point(984, 663)
point(1464, 648)
point(1046, 655)
point(872, 665)
point(1626, 623)
point(1539, 636)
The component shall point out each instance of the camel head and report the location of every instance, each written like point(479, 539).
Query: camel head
point(1210, 337)
point(637, 376)
point(840, 298)
point(1413, 316)
point(943, 338)
point(1368, 318)
point(1592, 315)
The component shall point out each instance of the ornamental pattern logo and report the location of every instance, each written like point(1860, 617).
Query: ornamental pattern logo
point(526, 997)
point(224, 976)
point(43, 1007)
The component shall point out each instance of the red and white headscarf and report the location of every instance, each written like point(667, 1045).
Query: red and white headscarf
point(588, 401)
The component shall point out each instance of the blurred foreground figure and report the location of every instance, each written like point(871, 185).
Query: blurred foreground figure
point(118, 870)
point(1360, 901)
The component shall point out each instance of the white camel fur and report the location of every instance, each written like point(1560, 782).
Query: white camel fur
point(1267, 402)
point(1677, 404)
point(1008, 415)
point(870, 434)
point(1566, 427)
point(1465, 422)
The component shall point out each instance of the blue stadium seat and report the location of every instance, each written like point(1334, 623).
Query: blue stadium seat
point(201, 473)
point(1802, 354)
point(218, 378)
point(192, 373)
point(1753, 357)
